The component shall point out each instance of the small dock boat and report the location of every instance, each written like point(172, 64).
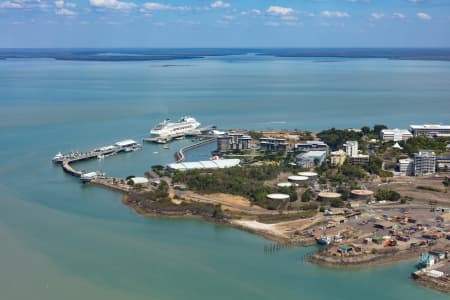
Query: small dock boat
point(58, 157)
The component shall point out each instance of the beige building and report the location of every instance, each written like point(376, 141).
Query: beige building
point(338, 157)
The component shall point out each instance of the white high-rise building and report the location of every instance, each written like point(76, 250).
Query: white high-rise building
point(351, 148)
point(424, 163)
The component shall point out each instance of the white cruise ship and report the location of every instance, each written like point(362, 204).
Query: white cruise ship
point(170, 130)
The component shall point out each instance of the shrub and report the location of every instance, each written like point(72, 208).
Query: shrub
point(337, 203)
point(308, 195)
point(389, 195)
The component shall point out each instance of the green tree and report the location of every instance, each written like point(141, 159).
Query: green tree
point(308, 195)
point(377, 129)
point(365, 130)
point(389, 195)
point(337, 203)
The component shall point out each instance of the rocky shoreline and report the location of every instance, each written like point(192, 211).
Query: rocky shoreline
point(207, 215)
point(433, 283)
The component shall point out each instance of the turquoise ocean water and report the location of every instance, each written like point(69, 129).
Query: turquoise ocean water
point(62, 240)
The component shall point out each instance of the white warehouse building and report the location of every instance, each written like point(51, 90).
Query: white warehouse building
point(207, 164)
point(395, 135)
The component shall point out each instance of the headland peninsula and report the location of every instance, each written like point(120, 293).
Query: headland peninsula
point(366, 196)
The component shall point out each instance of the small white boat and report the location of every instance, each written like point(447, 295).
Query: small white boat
point(58, 157)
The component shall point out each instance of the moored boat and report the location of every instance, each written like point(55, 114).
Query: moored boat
point(167, 130)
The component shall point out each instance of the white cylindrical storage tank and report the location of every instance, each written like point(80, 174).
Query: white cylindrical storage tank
point(361, 194)
point(286, 184)
point(329, 196)
point(310, 175)
point(278, 197)
point(300, 180)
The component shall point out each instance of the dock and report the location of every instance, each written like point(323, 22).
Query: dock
point(65, 160)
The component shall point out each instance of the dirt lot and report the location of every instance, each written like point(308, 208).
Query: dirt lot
point(408, 186)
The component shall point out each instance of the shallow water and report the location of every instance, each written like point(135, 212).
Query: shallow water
point(61, 239)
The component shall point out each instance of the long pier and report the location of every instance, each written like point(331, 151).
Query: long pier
point(179, 155)
point(66, 160)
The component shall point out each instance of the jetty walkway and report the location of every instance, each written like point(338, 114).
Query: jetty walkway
point(76, 157)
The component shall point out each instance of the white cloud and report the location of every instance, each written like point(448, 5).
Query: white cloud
point(65, 12)
point(251, 12)
point(334, 14)
point(10, 4)
point(220, 4)
point(59, 3)
point(398, 15)
point(24, 4)
point(159, 6)
point(155, 6)
point(71, 4)
point(279, 10)
point(377, 16)
point(424, 16)
point(113, 4)
point(416, 1)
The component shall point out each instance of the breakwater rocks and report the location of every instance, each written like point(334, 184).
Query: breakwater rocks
point(439, 284)
point(364, 260)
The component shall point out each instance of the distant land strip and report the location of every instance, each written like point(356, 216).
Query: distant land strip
point(142, 54)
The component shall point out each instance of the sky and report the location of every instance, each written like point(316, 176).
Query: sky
point(224, 23)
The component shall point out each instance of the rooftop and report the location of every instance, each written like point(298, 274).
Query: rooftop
point(208, 164)
point(362, 192)
point(124, 143)
point(431, 126)
point(278, 196)
point(312, 154)
point(330, 195)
